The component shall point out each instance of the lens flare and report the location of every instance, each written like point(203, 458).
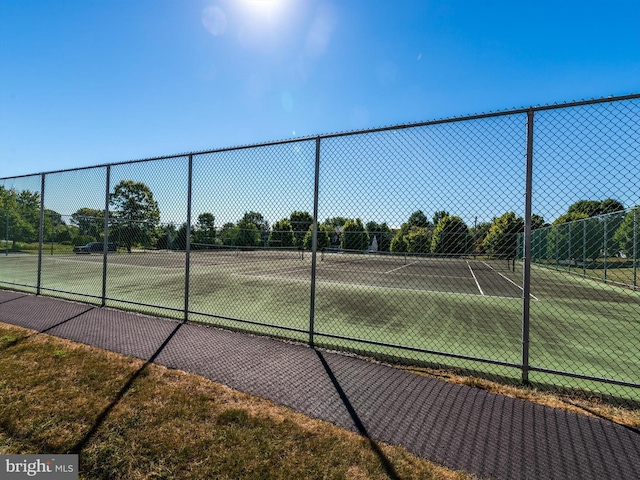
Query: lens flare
point(214, 20)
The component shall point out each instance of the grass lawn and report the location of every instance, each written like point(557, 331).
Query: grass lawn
point(131, 420)
point(577, 325)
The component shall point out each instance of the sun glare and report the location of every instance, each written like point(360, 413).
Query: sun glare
point(263, 7)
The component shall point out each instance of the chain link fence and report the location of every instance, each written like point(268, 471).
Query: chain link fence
point(502, 244)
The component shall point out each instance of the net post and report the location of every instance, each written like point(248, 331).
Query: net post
point(40, 233)
point(105, 246)
point(314, 246)
point(187, 262)
point(526, 267)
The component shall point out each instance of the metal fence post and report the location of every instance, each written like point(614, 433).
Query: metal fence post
point(6, 233)
point(635, 247)
point(187, 266)
point(314, 245)
point(604, 249)
point(40, 233)
point(584, 248)
point(526, 271)
point(105, 247)
point(570, 256)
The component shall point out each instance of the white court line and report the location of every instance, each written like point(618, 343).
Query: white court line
point(403, 266)
point(511, 281)
point(474, 277)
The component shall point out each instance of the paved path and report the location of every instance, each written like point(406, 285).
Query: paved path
point(461, 427)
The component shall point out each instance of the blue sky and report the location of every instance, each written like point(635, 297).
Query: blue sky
point(92, 82)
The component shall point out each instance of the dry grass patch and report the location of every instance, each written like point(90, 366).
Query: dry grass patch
point(150, 422)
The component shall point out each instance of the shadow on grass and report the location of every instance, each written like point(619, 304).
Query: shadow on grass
point(78, 447)
point(386, 464)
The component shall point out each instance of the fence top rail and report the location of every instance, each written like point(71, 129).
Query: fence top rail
point(454, 119)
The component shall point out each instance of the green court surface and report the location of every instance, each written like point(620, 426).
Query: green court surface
point(469, 307)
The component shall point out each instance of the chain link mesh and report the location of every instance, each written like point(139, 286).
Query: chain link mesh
point(405, 244)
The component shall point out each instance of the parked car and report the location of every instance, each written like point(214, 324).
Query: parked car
point(95, 247)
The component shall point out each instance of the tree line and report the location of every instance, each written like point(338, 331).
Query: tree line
point(134, 220)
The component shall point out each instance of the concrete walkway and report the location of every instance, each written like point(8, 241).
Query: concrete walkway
point(463, 428)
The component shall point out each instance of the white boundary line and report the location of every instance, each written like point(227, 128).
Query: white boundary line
point(403, 266)
point(511, 281)
point(474, 277)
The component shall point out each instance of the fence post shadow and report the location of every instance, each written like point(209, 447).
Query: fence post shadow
point(78, 447)
point(362, 430)
point(39, 332)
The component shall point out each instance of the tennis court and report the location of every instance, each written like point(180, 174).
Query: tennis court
point(461, 306)
point(442, 275)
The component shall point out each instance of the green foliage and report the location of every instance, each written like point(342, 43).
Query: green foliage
point(281, 234)
point(502, 238)
point(593, 208)
point(324, 239)
point(248, 225)
point(624, 234)
point(354, 236)
point(300, 222)
point(451, 236)
point(418, 219)
point(537, 221)
point(90, 222)
point(398, 243)
point(167, 237)
point(205, 230)
point(229, 234)
point(480, 233)
point(382, 233)
point(418, 240)
point(136, 214)
point(439, 215)
point(21, 213)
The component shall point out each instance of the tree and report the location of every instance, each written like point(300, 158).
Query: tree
point(480, 232)
point(253, 221)
point(354, 236)
point(451, 236)
point(398, 242)
point(334, 228)
point(205, 231)
point(168, 236)
point(281, 234)
point(418, 219)
point(418, 240)
point(90, 222)
point(229, 234)
point(610, 206)
point(439, 215)
point(593, 208)
point(136, 213)
point(324, 240)
point(300, 222)
point(624, 234)
point(22, 213)
point(537, 221)
point(566, 237)
point(502, 238)
point(382, 233)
